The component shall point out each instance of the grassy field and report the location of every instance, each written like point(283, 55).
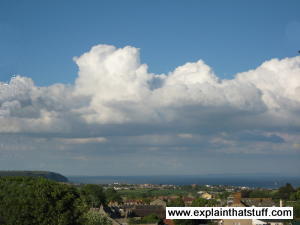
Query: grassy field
point(148, 192)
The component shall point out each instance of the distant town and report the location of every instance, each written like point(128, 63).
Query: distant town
point(128, 204)
point(145, 203)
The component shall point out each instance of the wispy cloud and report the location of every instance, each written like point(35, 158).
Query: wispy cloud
point(81, 140)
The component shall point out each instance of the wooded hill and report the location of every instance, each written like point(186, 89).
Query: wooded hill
point(46, 174)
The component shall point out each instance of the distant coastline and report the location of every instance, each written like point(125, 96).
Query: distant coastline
point(46, 174)
point(237, 180)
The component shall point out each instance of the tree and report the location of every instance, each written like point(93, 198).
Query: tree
point(95, 218)
point(260, 193)
point(151, 218)
point(295, 196)
point(225, 194)
point(112, 195)
point(178, 202)
point(93, 195)
point(201, 202)
point(286, 191)
point(296, 207)
point(38, 201)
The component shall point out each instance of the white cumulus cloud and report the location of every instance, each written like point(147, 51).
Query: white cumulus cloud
point(114, 90)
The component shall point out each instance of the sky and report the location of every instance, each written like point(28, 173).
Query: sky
point(150, 87)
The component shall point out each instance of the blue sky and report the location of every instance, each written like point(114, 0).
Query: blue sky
point(150, 87)
point(39, 38)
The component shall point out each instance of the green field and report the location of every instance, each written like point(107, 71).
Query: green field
point(148, 192)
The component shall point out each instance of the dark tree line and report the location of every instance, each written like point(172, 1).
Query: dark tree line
point(39, 201)
point(287, 192)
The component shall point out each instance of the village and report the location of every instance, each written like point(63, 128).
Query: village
point(146, 203)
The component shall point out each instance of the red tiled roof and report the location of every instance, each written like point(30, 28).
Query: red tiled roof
point(187, 199)
point(169, 222)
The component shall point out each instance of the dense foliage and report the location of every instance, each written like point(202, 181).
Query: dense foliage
point(285, 192)
point(112, 195)
point(93, 195)
point(94, 218)
point(257, 193)
point(178, 202)
point(201, 202)
point(38, 201)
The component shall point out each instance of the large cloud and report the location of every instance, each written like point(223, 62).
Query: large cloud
point(26, 108)
point(121, 90)
point(112, 78)
point(114, 94)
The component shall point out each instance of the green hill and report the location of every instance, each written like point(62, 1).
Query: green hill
point(46, 174)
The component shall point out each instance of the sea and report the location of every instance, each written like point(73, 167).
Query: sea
point(267, 181)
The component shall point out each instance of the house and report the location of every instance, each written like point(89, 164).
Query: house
point(168, 222)
point(206, 195)
point(268, 222)
point(159, 202)
point(250, 222)
point(235, 222)
point(132, 202)
point(188, 201)
point(168, 198)
point(113, 203)
point(236, 200)
point(258, 202)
